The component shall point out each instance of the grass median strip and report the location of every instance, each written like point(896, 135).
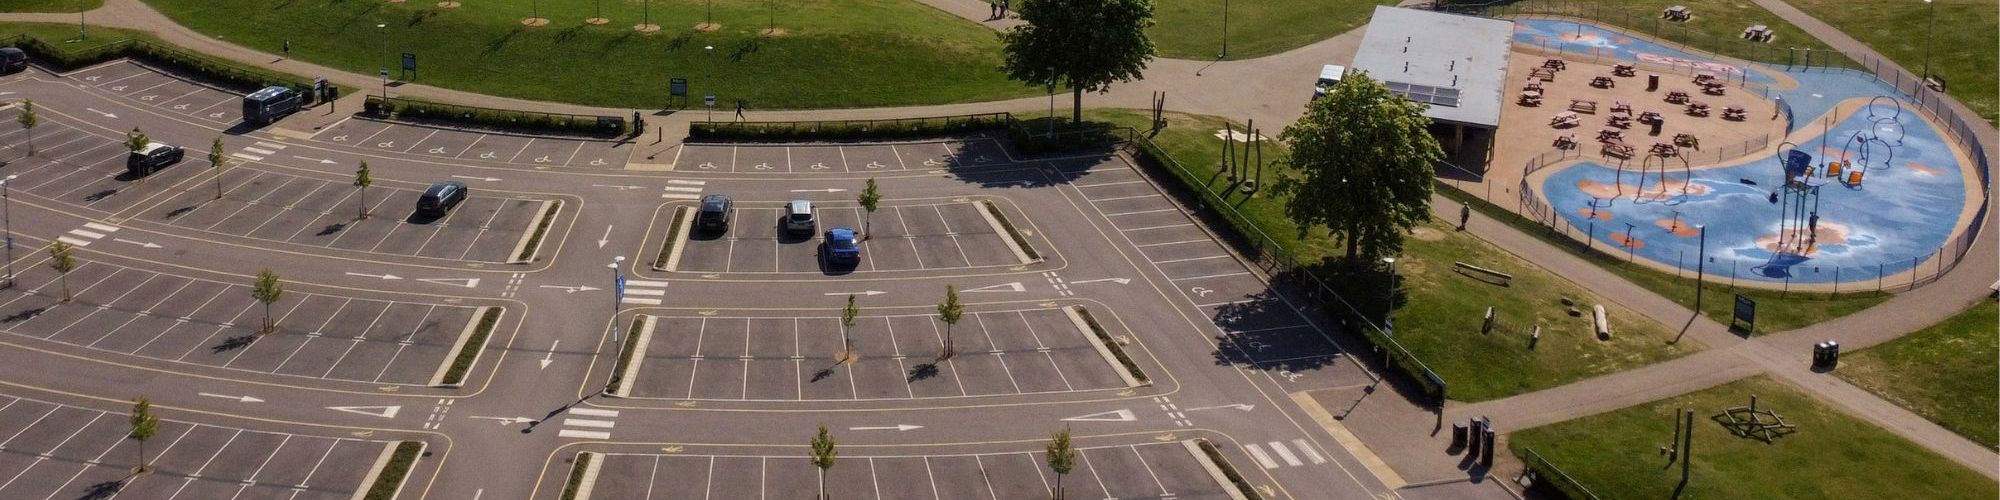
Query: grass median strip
point(1228, 471)
point(673, 238)
point(390, 480)
point(534, 244)
point(1109, 343)
point(475, 344)
point(625, 355)
point(575, 484)
point(1011, 231)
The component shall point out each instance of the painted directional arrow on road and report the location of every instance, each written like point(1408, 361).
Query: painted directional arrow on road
point(617, 187)
point(241, 399)
point(106, 115)
point(869, 292)
point(507, 420)
point(1120, 281)
point(487, 179)
point(372, 411)
point(607, 236)
point(1119, 415)
point(824, 190)
point(572, 289)
point(321, 161)
point(1003, 287)
point(464, 282)
point(897, 428)
point(144, 244)
point(1239, 406)
point(549, 358)
point(377, 276)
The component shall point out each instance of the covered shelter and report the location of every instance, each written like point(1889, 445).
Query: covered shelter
point(1454, 63)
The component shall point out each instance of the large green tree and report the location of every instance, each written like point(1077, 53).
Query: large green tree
point(1085, 45)
point(1362, 157)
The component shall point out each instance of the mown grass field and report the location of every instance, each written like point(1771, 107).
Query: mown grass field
point(1947, 373)
point(49, 5)
point(1192, 29)
point(1961, 47)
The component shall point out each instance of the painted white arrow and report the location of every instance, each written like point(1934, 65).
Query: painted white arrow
point(606, 238)
point(507, 420)
point(321, 161)
point(572, 289)
point(146, 244)
point(240, 399)
point(372, 411)
point(487, 179)
point(546, 358)
point(1003, 287)
point(1121, 281)
point(617, 187)
point(6, 93)
point(897, 428)
point(869, 292)
point(826, 190)
point(1239, 406)
point(106, 115)
point(378, 276)
point(464, 282)
point(1119, 415)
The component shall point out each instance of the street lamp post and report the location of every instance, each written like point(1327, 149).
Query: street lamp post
point(7, 218)
point(710, 76)
point(1225, 30)
point(381, 33)
point(1700, 259)
point(1389, 315)
point(1052, 102)
point(617, 292)
point(1928, 32)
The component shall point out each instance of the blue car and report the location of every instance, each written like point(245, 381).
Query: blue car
point(842, 247)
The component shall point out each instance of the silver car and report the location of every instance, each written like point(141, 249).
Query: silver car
point(799, 217)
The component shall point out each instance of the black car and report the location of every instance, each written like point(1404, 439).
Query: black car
point(152, 158)
point(440, 198)
point(714, 214)
point(12, 60)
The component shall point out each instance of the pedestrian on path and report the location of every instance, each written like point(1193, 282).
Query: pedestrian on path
point(1464, 214)
point(1004, 5)
point(739, 109)
point(994, 10)
point(288, 49)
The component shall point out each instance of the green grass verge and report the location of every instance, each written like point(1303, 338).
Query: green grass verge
point(1192, 29)
point(1960, 48)
point(673, 237)
point(1011, 232)
point(576, 475)
point(1832, 454)
point(1117, 351)
point(1438, 311)
point(831, 54)
point(1228, 471)
point(470, 353)
point(541, 229)
point(846, 130)
point(625, 355)
point(1717, 26)
point(1777, 310)
point(50, 6)
point(391, 480)
point(56, 46)
point(1947, 373)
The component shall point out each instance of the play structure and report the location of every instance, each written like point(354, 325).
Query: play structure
point(1798, 204)
point(1870, 148)
point(1751, 422)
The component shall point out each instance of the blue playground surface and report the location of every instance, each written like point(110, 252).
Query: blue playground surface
point(1571, 36)
point(1906, 205)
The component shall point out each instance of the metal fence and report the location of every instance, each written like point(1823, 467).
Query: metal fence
point(1545, 473)
point(1648, 23)
point(1605, 57)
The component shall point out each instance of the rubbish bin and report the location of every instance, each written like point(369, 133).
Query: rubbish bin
point(1457, 435)
point(1652, 83)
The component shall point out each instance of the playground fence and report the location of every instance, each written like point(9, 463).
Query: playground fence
point(1647, 23)
point(1547, 475)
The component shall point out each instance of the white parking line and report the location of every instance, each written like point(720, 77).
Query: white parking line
point(1143, 212)
point(1167, 226)
point(1191, 259)
point(1119, 183)
point(1182, 242)
point(1116, 198)
point(1224, 275)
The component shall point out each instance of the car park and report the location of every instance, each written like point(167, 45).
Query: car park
point(441, 197)
point(714, 213)
point(152, 158)
point(799, 217)
point(842, 247)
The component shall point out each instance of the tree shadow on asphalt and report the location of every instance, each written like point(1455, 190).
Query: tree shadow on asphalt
point(24, 315)
point(233, 343)
point(102, 491)
point(1260, 332)
point(923, 371)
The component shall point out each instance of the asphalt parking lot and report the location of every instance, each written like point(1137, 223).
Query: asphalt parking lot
point(1260, 328)
point(473, 145)
point(202, 322)
point(321, 212)
point(1028, 351)
point(145, 86)
point(907, 237)
point(80, 168)
point(846, 158)
point(50, 450)
point(1153, 470)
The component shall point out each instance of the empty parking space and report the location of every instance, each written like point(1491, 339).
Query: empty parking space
point(785, 359)
point(144, 86)
point(50, 450)
point(81, 168)
point(324, 213)
point(1153, 470)
point(474, 145)
point(855, 158)
point(903, 237)
point(209, 323)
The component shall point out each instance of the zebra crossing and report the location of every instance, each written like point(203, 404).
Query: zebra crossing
point(1284, 453)
point(90, 232)
point(258, 151)
point(679, 189)
point(597, 427)
point(642, 293)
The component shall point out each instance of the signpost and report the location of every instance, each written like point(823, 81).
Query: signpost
point(409, 66)
point(710, 101)
point(1746, 313)
point(385, 83)
point(677, 92)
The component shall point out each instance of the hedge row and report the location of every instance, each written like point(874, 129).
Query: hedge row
point(1228, 471)
point(673, 236)
point(625, 354)
point(466, 355)
point(210, 70)
point(1117, 351)
point(846, 130)
point(499, 119)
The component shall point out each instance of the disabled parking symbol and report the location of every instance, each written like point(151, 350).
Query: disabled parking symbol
point(819, 166)
point(180, 106)
point(597, 162)
point(92, 78)
point(218, 114)
point(932, 163)
point(762, 166)
point(542, 159)
point(706, 165)
point(876, 164)
point(120, 88)
point(337, 138)
point(386, 145)
point(486, 155)
point(149, 97)
point(1200, 291)
point(437, 150)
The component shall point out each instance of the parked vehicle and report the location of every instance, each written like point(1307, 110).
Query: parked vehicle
point(1329, 75)
point(842, 247)
point(799, 217)
point(12, 60)
point(714, 214)
point(152, 158)
point(441, 198)
point(271, 104)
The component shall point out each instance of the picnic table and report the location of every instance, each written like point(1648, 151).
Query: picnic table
point(1624, 69)
point(1565, 142)
point(1677, 13)
point(1620, 121)
point(1531, 98)
point(1617, 148)
point(1555, 64)
point(1687, 141)
point(1758, 33)
point(1543, 74)
point(1583, 106)
point(1697, 108)
point(1610, 134)
point(1533, 84)
point(1735, 113)
point(1677, 97)
point(1649, 117)
point(1565, 119)
point(1602, 82)
point(1714, 88)
point(1621, 107)
point(1664, 150)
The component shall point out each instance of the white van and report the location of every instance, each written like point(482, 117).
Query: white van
point(1328, 76)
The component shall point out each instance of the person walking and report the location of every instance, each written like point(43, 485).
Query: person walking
point(1004, 5)
point(288, 49)
point(1464, 214)
point(739, 109)
point(993, 9)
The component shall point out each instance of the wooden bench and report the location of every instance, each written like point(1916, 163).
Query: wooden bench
point(1483, 274)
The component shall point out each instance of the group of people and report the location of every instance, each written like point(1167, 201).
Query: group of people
point(999, 8)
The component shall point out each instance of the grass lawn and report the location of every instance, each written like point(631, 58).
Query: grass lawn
point(1962, 50)
point(1717, 25)
point(1832, 454)
point(1192, 29)
point(49, 5)
point(1438, 311)
point(832, 53)
point(1947, 373)
point(1777, 310)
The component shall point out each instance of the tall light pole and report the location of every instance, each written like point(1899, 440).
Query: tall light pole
point(1700, 258)
point(617, 292)
point(1389, 315)
point(382, 33)
point(1225, 30)
point(710, 76)
point(7, 218)
point(1928, 32)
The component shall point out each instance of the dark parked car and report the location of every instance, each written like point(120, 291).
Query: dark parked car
point(12, 60)
point(841, 247)
point(152, 158)
point(440, 198)
point(714, 214)
point(271, 104)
